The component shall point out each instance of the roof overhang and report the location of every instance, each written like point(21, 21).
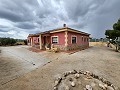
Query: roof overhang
point(68, 29)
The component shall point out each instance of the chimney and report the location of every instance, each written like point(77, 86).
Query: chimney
point(64, 25)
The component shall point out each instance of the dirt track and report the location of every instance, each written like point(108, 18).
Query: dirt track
point(100, 60)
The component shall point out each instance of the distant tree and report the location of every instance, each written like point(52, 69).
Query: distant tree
point(113, 35)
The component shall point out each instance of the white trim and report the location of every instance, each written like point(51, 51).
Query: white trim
point(66, 38)
point(40, 41)
point(71, 39)
point(57, 40)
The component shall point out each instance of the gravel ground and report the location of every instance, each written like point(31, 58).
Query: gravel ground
point(100, 60)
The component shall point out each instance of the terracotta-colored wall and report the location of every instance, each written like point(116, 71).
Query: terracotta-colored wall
point(79, 38)
point(61, 37)
point(33, 39)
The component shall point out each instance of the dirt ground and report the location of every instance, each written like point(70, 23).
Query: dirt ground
point(100, 60)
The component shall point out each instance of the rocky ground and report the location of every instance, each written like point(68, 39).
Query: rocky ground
point(100, 60)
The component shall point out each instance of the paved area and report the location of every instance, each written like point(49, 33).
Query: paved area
point(18, 60)
point(101, 60)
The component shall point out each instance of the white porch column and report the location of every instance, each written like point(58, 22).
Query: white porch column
point(66, 38)
point(31, 41)
point(40, 41)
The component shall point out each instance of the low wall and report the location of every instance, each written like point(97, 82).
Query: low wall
point(71, 47)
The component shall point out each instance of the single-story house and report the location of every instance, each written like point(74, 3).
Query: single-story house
point(64, 38)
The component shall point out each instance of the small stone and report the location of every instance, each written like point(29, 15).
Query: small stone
point(100, 78)
point(73, 84)
point(56, 82)
point(88, 87)
point(88, 72)
point(105, 85)
point(73, 72)
point(84, 73)
point(103, 80)
point(102, 86)
point(89, 77)
point(55, 88)
point(93, 75)
point(108, 83)
point(77, 75)
point(81, 72)
point(66, 74)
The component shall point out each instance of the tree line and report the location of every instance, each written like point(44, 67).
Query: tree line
point(6, 41)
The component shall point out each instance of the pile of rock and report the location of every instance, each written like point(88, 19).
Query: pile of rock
point(82, 80)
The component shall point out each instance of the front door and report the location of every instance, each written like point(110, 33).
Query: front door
point(44, 39)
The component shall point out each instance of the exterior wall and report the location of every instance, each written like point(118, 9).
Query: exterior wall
point(32, 41)
point(82, 41)
point(35, 40)
point(61, 40)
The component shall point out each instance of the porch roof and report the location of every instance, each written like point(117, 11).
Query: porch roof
point(33, 35)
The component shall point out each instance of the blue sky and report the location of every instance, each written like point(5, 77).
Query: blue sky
point(18, 18)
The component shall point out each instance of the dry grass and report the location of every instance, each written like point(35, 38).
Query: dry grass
point(20, 43)
point(97, 43)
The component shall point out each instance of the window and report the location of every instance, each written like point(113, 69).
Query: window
point(87, 39)
point(82, 38)
point(74, 39)
point(54, 39)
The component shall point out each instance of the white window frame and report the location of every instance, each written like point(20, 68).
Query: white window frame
point(52, 41)
point(72, 37)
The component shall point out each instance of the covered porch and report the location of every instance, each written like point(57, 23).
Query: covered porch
point(45, 40)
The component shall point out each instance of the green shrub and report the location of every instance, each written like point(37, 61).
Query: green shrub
point(7, 41)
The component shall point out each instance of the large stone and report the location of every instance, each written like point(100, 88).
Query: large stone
point(73, 84)
point(77, 75)
point(102, 86)
point(109, 88)
point(56, 82)
point(88, 87)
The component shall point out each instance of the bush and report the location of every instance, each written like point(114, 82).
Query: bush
point(7, 41)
